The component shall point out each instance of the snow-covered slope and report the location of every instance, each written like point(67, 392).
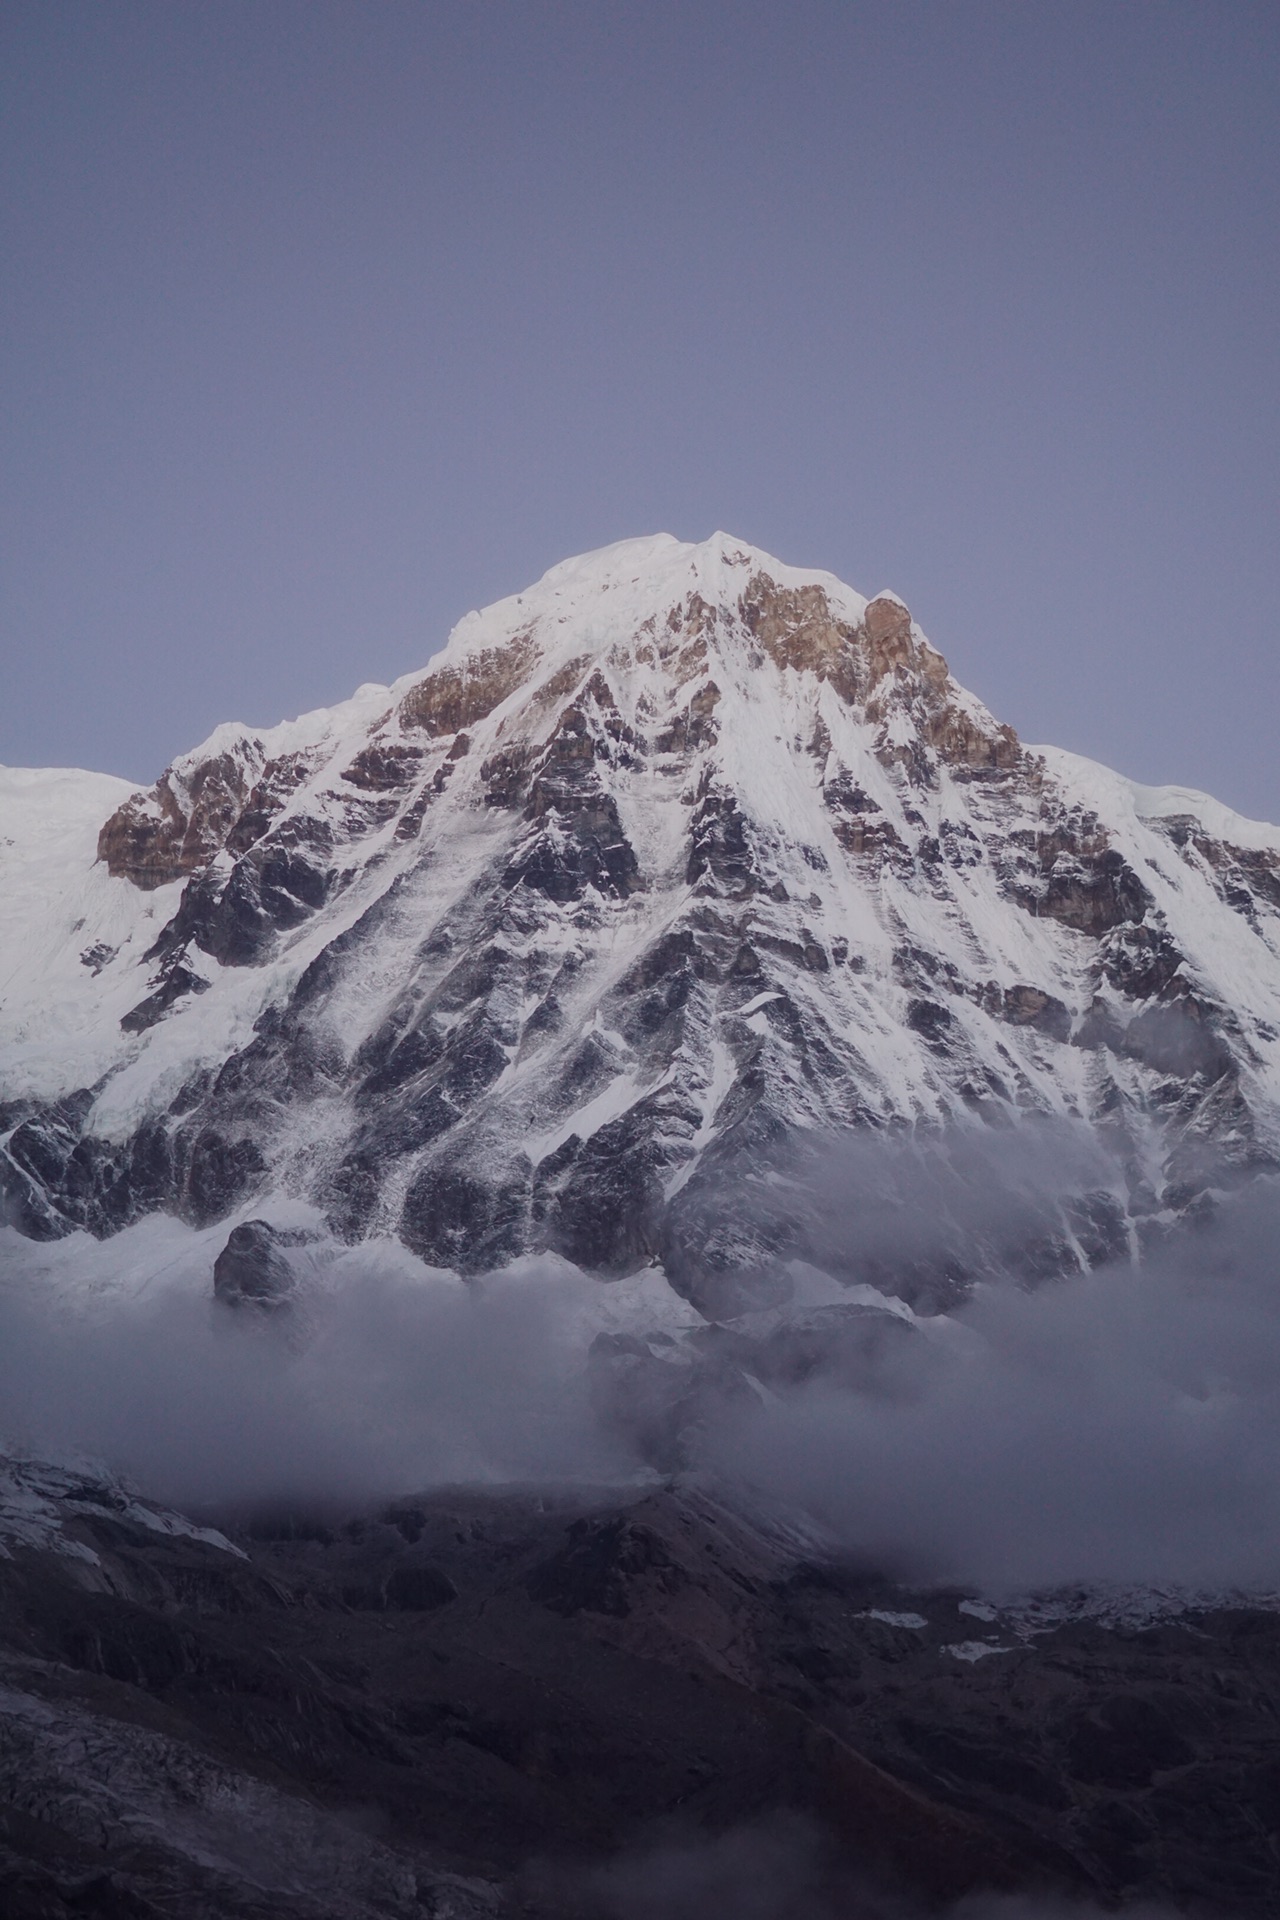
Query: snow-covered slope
point(677, 859)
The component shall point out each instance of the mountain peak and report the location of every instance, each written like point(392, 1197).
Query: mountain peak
point(640, 575)
point(660, 600)
point(678, 855)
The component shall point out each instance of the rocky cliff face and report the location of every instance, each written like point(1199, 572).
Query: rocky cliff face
point(661, 873)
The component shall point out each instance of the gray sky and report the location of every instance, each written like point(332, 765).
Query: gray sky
point(324, 322)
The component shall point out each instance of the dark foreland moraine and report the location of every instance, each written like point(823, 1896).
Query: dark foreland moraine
point(456, 1704)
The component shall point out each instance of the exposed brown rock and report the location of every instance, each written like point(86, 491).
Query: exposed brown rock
point(880, 664)
point(383, 764)
point(957, 739)
point(694, 728)
point(142, 841)
point(277, 782)
point(228, 801)
point(457, 696)
point(1024, 1006)
point(599, 690)
point(564, 681)
point(1068, 871)
point(888, 642)
point(165, 834)
point(795, 625)
point(1092, 895)
point(859, 824)
point(873, 838)
point(696, 617)
point(1260, 868)
point(505, 776)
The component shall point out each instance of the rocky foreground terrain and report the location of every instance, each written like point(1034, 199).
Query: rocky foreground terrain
point(459, 1706)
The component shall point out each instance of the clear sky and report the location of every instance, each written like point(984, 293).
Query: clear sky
point(326, 320)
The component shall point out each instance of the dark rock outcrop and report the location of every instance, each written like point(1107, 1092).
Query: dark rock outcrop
point(174, 981)
point(252, 1270)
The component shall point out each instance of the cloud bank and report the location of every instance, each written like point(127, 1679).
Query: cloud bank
point(384, 1384)
point(1121, 1425)
point(781, 1868)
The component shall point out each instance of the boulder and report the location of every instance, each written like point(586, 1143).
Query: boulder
point(252, 1271)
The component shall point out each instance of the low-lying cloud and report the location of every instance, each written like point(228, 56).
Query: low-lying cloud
point(380, 1385)
point(1121, 1425)
point(782, 1868)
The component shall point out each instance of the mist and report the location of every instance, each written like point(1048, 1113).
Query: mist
point(782, 1868)
point(381, 1385)
point(1121, 1425)
point(1114, 1426)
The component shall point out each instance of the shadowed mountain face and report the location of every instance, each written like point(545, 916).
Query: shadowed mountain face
point(661, 870)
point(455, 1705)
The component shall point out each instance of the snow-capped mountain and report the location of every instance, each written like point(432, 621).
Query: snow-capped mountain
point(675, 860)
